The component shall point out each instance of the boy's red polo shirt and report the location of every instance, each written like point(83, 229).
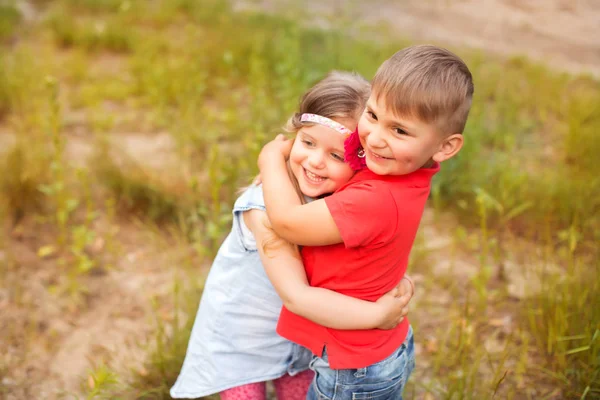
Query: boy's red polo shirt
point(378, 217)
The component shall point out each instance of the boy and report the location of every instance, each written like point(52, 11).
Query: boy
point(413, 121)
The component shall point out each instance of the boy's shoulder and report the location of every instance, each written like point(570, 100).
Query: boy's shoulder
point(420, 178)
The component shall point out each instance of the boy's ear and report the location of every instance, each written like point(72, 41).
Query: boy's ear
point(450, 146)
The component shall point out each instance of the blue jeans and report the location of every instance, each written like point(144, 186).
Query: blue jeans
point(382, 381)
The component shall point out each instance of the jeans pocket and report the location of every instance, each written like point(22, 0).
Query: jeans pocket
point(392, 392)
point(325, 379)
point(317, 393)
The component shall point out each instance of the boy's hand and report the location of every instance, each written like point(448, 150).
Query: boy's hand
point(394, 304)
point(277, 149)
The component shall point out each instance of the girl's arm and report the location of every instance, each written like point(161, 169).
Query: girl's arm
point(325, 307)
point(293, 221)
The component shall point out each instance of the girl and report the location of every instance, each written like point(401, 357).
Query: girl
point(234, 348)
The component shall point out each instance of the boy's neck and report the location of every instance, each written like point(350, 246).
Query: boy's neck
point(428, 164)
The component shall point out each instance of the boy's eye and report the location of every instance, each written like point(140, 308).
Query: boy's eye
point(337, 157)
point(400, 131)
point(372, 115)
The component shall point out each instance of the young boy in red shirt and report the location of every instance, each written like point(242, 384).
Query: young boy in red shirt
point(357, 241)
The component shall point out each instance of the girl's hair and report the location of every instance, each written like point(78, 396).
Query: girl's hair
point(338, 95)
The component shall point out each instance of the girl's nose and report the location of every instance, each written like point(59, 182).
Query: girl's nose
point(316, 160)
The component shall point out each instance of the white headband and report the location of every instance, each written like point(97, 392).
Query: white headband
point(318, 119)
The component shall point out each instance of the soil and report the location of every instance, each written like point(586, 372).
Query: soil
point(560, 33)
point(116, 322)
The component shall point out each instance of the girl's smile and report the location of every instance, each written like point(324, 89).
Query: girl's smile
point(314, 178)
point(317, 160)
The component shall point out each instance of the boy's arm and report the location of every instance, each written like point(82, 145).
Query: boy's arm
point(307, 225)
point(325, 307)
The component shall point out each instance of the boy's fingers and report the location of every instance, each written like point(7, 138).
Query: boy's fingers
point(288, 147)
point(398, 292)
point(405, 298)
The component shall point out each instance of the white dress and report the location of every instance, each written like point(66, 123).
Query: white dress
point(233, 341)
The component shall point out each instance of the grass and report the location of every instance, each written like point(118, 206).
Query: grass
point(20, 188)
point(138, 193)
point(92, 34)
point(566, 325)
point(4, 90)
point(9, 20)
point(527, 173)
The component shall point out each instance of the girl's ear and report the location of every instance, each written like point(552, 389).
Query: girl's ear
point(449, 147)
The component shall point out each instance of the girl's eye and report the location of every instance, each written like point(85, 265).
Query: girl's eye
point(372, 115)
point(400, 131)
point(337, 157)
point(307, 142)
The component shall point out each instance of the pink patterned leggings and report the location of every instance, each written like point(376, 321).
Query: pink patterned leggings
point(287, 388)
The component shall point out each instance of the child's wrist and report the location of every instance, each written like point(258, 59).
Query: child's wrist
point(380, 316)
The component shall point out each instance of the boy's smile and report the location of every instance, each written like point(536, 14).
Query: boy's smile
point(396, 145)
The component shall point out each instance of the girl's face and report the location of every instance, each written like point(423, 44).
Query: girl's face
point(317, 159)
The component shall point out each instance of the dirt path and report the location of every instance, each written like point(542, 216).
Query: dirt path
point(561, 33)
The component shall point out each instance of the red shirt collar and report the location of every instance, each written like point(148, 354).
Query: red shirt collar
point(419, 177)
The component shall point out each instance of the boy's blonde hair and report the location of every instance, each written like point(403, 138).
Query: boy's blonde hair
point(429, 83)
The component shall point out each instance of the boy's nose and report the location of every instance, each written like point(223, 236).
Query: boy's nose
point(375, 139)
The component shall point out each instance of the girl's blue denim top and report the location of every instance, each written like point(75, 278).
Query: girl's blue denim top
point(233, 341)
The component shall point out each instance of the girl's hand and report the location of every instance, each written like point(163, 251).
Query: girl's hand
point(394, 304)
point(277, 149)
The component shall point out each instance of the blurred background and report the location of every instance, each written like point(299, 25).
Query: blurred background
point(127, 126)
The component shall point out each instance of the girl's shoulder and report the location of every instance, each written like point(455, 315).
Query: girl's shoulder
point(251, 198)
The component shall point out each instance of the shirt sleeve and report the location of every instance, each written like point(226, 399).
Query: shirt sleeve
point(365, 214)
point(251, 199)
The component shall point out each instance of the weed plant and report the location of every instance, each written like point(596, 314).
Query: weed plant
point(20, 188)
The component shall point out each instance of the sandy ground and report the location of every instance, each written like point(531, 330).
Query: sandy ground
point(565, 34)
point(117, 321)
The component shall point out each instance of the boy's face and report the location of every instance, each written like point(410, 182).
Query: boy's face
point(317, 159)
point(396, 145)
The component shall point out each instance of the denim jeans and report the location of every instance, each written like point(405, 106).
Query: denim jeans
point(382, 381)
